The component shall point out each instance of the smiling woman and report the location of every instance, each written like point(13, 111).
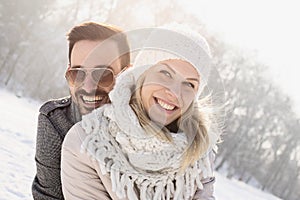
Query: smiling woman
point(165, 95)
point(154, 141)
point(168, 90)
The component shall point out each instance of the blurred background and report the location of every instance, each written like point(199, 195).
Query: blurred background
point(255, 46)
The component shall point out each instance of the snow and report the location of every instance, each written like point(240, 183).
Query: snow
point(226, 189)
point(17, 135)
point(17, 148)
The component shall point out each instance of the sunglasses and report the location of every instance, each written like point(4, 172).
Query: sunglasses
point(104, 77)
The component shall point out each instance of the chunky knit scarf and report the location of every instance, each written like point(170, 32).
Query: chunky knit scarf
point(140, 165)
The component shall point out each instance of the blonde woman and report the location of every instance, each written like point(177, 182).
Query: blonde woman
point(155, 140)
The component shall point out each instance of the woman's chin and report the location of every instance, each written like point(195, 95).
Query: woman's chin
point(160, 121)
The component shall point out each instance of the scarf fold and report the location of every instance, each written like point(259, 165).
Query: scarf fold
point(140, 165)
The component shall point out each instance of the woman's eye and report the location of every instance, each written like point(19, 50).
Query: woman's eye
point(191, 85)
point(166, 73)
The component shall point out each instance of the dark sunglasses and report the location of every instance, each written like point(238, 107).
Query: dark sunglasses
point(104, 77)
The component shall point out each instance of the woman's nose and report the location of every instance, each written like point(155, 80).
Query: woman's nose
point(174, 91)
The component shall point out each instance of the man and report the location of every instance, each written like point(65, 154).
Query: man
point(95, 59)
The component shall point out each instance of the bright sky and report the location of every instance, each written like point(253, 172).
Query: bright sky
point(269, 27)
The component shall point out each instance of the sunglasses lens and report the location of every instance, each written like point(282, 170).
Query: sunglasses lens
point(103, 77)
point(75, 77)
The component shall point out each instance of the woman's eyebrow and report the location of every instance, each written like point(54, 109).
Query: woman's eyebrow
point(169, 67)
point(193, 79)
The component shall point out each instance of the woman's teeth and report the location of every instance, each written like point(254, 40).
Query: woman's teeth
point(165, 105)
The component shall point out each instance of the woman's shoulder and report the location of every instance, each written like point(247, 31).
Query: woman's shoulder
point(74, 137)
point(89, 124)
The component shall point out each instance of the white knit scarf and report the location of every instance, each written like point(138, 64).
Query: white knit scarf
point(140, 165)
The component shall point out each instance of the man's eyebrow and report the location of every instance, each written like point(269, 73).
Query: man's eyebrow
point(103, 66)
point(97, 66)
point(76, 66)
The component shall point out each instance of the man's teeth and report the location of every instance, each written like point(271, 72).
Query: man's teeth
point(92, 98)
point(164, 105)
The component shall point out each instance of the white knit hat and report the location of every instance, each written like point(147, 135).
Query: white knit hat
point(174, 41)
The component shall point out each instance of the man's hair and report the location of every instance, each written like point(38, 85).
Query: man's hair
point(96, 31)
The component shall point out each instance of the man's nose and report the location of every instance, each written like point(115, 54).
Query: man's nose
point(89, 84)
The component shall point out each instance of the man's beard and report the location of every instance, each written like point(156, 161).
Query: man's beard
point(87, 102)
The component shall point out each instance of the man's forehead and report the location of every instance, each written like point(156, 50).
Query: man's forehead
point(92, 53)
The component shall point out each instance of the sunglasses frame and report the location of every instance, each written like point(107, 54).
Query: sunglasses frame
point(89, 71)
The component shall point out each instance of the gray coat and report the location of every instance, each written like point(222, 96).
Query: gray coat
point(56, 117)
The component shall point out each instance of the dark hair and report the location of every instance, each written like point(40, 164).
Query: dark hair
point(96, 31)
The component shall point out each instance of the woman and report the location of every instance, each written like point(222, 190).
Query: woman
point(154, 140)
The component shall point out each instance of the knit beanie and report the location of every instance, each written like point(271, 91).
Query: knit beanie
point(174, 41)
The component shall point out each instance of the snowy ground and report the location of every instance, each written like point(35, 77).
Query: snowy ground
point(17, 136)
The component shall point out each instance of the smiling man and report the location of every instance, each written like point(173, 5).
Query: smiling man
point(95, 59)
point(91, 73)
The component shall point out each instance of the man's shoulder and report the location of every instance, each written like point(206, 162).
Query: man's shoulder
point(54, 104)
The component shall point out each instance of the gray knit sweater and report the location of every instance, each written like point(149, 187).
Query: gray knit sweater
point(56, 117)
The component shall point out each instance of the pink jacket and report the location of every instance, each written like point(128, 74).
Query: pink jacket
point(82, 177)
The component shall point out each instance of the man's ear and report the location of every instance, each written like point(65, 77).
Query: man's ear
point(129, 66)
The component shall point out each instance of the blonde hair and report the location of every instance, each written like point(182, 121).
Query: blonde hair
point(194, 123)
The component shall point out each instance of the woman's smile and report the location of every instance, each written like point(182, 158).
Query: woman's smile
point(167, 106)
point(168, 90)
